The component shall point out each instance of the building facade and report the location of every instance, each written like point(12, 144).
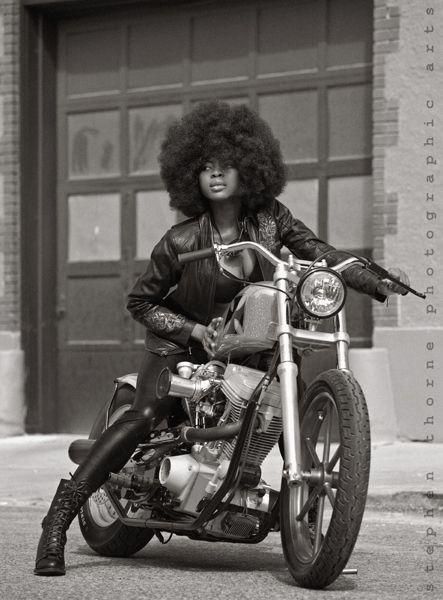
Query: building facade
point(87, 90)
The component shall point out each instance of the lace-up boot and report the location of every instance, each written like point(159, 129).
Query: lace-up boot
point(68, 499)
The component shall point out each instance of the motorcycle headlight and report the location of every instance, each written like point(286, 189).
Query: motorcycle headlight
point(321, 293)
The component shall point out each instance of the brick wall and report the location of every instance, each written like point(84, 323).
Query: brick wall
point(408, 113)
point(9, 167)
point(385, 135)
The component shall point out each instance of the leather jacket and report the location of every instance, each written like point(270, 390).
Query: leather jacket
point(170, 298)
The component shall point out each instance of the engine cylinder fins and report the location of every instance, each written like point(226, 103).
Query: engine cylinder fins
point(239, 383)
point(260, 445)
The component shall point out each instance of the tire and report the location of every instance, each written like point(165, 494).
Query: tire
point(321, 518)
point(99, 524)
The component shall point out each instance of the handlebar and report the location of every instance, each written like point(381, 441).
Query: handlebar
point(383, 274)
point(196, 255)
point(296, 263)
point(378, 271)
point(236, 247)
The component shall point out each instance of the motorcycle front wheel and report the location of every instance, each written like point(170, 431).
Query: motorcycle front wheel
point(99, 524)
point(320, 519)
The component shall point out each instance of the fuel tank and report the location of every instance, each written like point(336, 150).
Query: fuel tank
point(250, 322)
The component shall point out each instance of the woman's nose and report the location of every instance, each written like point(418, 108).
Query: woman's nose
point(216, 171)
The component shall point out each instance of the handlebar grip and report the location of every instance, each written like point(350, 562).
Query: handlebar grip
point(196, 255)
point(383, 274)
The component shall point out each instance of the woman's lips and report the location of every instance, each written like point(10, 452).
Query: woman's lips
point(217, 187)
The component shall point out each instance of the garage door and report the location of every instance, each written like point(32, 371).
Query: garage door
point(122, 79)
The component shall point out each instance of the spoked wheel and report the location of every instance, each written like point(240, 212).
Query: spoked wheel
point(321, 518)
point(98, 520)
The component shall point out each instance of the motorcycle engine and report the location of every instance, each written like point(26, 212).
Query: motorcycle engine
point(238, 384)
point(197, 475)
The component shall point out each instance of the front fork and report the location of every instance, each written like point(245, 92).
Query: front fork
point(287, 373)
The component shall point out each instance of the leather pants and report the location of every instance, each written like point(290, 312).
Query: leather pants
point(114, 447)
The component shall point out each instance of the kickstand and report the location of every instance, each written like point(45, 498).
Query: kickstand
point(161, 539)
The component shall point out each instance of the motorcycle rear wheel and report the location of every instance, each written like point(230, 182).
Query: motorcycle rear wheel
point(321, 518)
point(99, 524)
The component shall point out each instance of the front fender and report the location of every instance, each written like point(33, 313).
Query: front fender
point(129, 379)
point(121, 386)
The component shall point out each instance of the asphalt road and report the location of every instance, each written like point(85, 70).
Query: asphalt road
point(391, 556)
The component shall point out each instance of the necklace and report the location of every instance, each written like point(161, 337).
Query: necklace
point(230, 253)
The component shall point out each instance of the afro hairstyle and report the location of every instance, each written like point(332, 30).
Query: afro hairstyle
point(234, 134)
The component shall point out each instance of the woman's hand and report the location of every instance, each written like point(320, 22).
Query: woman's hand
point(211, 334)
point(388, 287)
point(207, 335)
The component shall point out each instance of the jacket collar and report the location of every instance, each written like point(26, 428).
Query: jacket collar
point(248, 216)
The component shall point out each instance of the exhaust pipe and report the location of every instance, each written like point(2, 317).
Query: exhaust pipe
point(211, 434)
point(79, 449)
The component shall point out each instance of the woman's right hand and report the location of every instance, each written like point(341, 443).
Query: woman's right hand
point(207, 335)
point(211, 334)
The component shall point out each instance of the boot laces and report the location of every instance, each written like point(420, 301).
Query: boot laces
point(62, 514)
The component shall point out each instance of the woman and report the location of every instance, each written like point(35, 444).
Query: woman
point(223, 169)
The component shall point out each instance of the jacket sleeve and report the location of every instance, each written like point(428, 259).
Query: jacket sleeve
point(147, 301)
point(303, 242)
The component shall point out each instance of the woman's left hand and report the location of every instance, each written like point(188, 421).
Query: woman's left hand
point(388, 287)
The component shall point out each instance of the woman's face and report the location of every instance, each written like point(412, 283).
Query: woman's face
point(218, 182)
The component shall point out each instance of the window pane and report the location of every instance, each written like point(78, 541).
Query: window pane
point(155, 52)
point(349, 32)
point(95, 306)
point(220, 46)
point(288, 38)
point(94, 227)
point(350, 121)
point(232, 101)
point(293, 118)
point(147, 128)
point(93, 142)
point(154, 218)
point(301, 197)
point(236, 101)
point(350, 202)
point(93, 61)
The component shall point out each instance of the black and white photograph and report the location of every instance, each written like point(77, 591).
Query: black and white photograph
point(221, 315)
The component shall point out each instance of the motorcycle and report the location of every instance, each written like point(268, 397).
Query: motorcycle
point(202, 477)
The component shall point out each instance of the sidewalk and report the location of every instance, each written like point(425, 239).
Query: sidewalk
point(31, 466)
